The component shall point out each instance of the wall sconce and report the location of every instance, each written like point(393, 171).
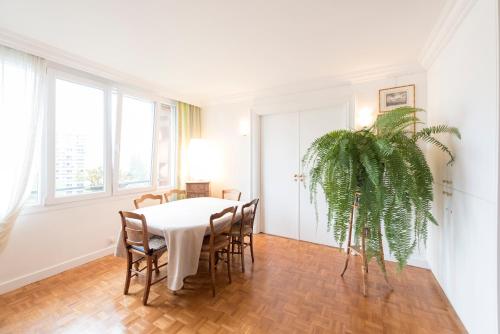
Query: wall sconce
point(244, 127)
point(365, 117)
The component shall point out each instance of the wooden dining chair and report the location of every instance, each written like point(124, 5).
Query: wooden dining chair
point(137, 241)
point(138, 201)
point(242, 229)
point(232, 194)
point(175, 194)
point(218, 242)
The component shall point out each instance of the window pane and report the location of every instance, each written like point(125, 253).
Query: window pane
point(164, 146)
point(33, 196)
point(79, 136)
point(114, 113)
point(34, 189)
point(136, 143)
point(34, 185)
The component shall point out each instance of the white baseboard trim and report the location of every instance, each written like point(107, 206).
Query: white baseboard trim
point(420, 263)
point(53, 270)
point(78, 261)
point(415, 262)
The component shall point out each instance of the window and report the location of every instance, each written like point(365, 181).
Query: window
point(136, 143)
point(102, 140)
point(34, 195)
point(165, 148)
point(78, 156)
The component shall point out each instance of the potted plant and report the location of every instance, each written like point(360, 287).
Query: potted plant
point(382, 170)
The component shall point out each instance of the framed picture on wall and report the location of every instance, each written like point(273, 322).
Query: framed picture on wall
point(395, 97)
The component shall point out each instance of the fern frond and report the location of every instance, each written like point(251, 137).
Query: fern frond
point(441, 146)
point(396, 120)
point(437, 129)
point(386, 166)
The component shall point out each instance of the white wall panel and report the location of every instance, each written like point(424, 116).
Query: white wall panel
point(463, 92)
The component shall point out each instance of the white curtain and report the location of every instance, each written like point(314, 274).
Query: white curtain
point(22, 78)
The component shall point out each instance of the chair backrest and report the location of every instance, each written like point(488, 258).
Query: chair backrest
point(134, 230)
point(138, 201)
point(248, 212)
point(221, 222)
point(178, 193)
point(232, 194)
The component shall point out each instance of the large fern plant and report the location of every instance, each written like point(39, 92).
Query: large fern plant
point(385, 167)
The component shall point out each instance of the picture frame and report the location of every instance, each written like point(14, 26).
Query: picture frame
point(395, 97)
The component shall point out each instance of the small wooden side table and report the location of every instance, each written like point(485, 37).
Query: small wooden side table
point(198, 189)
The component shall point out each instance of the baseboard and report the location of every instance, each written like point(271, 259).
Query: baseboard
point(53, 270)
point(420, 263)
point(447, 300)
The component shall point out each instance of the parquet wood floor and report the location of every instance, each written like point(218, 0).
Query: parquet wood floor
point(293, 287)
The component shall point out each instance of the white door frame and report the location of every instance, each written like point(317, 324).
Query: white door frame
point(255, 141)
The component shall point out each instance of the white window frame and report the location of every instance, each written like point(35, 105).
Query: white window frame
point(118, 131)
point(52, 75)
point(38, 181)
point(46, 189)
point(173, 143)
point(41, 180)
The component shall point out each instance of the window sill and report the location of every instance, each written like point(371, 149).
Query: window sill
point(41, 208)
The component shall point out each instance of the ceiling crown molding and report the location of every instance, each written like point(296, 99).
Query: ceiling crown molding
point(320, 83)
point(61, 57)
point(452, 15)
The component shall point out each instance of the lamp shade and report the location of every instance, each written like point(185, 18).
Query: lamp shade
point(198, 158)
point(365, 117)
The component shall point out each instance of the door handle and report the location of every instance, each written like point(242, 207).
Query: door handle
point(298, 177)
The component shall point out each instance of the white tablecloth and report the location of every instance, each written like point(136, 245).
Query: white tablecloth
point(183, 224)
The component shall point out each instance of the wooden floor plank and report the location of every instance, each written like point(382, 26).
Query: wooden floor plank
point(293, 287)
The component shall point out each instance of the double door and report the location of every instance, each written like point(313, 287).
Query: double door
point(285, 138)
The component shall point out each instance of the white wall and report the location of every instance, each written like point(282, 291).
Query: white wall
point(463, 91)
point(230, 163)
point(57, 238)
point(220, 124)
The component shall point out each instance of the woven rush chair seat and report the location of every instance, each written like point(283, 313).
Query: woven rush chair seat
point(156, 243)
point(235, 230)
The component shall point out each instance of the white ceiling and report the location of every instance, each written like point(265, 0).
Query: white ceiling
point(208, 49)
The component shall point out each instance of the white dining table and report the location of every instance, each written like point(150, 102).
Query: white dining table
point(183, 224)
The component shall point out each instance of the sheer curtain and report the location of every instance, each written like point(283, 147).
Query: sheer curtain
point(189, 126)
point(21, 115)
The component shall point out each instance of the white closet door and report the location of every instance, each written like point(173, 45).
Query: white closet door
point(314, 124)
point(280, 161)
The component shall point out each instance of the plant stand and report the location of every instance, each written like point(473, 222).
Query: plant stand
point(361, 251)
